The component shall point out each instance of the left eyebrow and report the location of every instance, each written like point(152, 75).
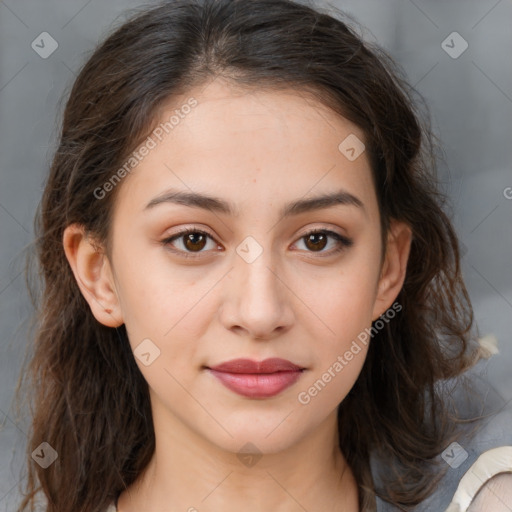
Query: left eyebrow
point(216, 204)
point(341, 197)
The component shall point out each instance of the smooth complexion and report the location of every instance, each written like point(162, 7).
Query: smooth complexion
point(301, 299)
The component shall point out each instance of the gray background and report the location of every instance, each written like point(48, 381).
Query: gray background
point(471, 104)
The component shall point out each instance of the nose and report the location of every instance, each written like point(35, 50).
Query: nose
point(256, 300)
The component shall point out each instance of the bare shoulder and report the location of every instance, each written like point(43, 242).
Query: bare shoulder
point(495, 495)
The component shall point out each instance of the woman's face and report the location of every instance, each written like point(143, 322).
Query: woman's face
point(249, 282)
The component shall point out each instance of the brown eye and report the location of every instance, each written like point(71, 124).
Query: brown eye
point(194, 241)
point(316, 241)
point(191, 242)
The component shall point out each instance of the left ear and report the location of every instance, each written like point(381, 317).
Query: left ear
point(394, 267)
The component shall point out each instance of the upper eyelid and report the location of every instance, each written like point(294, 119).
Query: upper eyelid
point(186, 231)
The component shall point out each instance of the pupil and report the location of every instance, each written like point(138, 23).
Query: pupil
point(314, 236)
point(192, 238)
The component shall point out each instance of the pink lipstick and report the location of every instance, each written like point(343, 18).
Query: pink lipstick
point(255, 379)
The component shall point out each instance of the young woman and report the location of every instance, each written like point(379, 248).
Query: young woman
point(252, 297)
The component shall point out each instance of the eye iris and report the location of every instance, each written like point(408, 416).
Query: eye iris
point(313, 237)
point(192, 237)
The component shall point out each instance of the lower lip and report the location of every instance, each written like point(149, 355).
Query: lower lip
point(257, 385)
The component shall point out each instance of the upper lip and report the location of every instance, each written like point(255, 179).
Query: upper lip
point(272, 365)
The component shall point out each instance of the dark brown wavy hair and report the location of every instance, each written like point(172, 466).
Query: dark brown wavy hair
point(87, 397)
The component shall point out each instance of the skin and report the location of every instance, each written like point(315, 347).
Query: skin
point(258, 150)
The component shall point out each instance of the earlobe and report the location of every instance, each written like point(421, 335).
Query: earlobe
point(93, 274)
point(394, 267)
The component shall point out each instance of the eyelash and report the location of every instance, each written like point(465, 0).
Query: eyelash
point(344, 242)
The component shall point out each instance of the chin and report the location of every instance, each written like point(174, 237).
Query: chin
point(260, 439)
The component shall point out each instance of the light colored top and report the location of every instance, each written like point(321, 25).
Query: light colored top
point(489, 464)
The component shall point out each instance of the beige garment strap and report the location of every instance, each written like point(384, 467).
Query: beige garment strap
point(489, 464)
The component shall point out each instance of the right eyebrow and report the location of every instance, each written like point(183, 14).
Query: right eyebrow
point(193, 199)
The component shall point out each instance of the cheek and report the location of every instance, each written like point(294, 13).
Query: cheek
point(338, 355)
point(343, 302)
point(347, 317)
point(344, 297)
point(333, 377)
point(145, 298)
point(150, 292)
point(167, 306)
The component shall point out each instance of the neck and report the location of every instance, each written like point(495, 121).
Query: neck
point(187, 472)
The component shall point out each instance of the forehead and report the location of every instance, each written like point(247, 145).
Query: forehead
point(245, 144)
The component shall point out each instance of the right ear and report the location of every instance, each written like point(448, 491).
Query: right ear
point(93, 275)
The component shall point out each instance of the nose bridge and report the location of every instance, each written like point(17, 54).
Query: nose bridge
point(254, 263)
point(258, 301)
